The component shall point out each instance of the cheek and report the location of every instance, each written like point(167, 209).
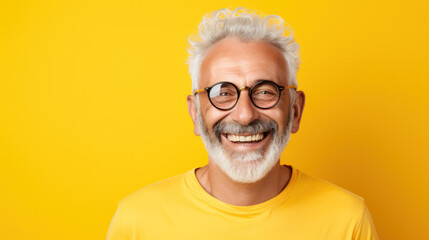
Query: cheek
point(283, 103)
point(211, 116)
point(280, 114)
point(284, 106)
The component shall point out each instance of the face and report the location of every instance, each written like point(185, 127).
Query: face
point(245, 142)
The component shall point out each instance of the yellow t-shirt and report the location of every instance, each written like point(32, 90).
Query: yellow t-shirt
point(179, 208)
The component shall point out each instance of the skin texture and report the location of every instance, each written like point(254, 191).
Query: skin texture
point(244, 63)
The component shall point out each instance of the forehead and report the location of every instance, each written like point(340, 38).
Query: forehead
point(242, 63)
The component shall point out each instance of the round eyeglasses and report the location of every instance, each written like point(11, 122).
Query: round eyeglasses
point(264, 94)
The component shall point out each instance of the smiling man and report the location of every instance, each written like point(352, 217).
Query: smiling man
point(245, 104)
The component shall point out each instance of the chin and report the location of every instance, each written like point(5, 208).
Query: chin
point(246, 172)
point(248, 167)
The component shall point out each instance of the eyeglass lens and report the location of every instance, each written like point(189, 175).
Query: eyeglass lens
point(263, 95)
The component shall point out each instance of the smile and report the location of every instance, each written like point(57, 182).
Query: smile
point(245, 138)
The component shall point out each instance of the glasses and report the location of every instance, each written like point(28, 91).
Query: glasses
point(224, 95)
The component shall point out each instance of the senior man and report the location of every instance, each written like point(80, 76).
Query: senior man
point(244, 105)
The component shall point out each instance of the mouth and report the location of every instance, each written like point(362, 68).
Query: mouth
point(246, 137)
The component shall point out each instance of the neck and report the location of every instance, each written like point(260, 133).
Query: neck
point(219, 185)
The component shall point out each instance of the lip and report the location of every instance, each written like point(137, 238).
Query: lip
point(248, 146)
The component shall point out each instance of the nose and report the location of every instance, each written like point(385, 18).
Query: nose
point(244, 111)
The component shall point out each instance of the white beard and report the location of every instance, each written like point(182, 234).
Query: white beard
point(245, 167)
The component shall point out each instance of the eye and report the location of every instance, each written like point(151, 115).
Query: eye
point(226, 92)
point(263, 92)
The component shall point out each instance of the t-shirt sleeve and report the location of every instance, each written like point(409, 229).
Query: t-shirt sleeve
point(365, 229)
point(117, 229)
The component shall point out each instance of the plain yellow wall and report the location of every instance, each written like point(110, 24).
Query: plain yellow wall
point(93, 107)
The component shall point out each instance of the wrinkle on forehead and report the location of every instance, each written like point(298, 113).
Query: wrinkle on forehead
point(243, 63)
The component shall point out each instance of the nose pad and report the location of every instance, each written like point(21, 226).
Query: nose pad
point(244, 111)
point(244, 88)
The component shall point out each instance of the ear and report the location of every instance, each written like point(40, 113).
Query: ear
point(298, 108)
point(193, 113)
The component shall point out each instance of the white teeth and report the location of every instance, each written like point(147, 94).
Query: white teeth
point(250, 138)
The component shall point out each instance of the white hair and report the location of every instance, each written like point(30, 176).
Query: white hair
point(247, 25)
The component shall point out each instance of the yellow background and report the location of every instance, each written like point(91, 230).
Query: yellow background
point(93, 107)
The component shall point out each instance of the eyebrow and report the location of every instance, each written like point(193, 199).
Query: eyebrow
point(252, 82)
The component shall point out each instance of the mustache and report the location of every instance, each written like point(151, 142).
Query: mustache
point(256, 126)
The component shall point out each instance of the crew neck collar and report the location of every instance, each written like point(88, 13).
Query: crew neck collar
point(282, 197)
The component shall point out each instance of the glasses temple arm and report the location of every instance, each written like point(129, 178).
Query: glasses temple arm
point(198, 91)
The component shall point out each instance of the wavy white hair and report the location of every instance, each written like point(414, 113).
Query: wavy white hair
point(247, 25)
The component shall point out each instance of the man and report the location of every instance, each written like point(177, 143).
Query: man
point(244, 105)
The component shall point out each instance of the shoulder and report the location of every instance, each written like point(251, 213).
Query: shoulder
point(149, 198)
point(327, 195)
point(145, 206)
point(332, 205)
